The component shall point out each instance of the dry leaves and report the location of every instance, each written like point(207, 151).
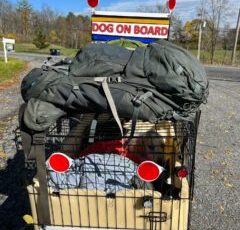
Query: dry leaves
point(209, 155)
point(226, 182)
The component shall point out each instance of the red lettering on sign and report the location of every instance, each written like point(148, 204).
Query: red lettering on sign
point(127, 29)
point(119, 28)
point(164, 31)
point(144, 30)
point(94, 27)
point(151, 31)
point(158, 31)
point(102, 27)
point(136, 29)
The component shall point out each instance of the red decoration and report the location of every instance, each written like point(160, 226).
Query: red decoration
point(171, 5)
point(59, 162)
point(93, 3)
point(182, 172)
point(149, 171)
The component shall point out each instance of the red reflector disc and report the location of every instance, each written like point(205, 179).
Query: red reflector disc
point(171, 4)
point(148, 171)
point(182, 172)
point(59, 162)
point(92, 3)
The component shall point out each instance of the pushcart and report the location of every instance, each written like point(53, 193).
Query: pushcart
point(108, 182)
point(82, 199)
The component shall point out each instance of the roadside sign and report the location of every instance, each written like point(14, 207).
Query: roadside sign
point(144, 27)
point(8, 45)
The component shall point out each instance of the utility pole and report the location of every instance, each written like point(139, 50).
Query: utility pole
point(201, 25)
point(236, 39)
point(199, 40)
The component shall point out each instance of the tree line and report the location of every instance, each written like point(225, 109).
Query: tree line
point(217, 33)
point(44, 26)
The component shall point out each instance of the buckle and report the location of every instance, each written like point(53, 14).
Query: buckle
point(139, 99)
point(136, 101)
point(75, 87)
point(114, 79)
point(38, 139)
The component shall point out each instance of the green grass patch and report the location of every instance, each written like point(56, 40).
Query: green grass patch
point(221, 57)
point(11, 69)
point(30, 48)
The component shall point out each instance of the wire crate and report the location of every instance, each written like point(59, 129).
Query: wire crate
point(101, 189)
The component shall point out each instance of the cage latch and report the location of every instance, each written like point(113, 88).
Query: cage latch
point(156, 217)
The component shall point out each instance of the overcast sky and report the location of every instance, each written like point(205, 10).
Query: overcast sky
point(185, 9)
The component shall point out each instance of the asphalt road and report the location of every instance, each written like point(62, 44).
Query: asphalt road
point(217, 176)
point(220, 73)
point(27, 56)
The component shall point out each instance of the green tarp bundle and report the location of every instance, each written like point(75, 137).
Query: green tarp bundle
point(153, 82)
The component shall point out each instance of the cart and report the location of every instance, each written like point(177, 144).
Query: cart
point(104, 186)
point(164, 204)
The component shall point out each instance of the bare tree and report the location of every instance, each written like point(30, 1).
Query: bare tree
point(214, 12)
point(25, 10)
point(5, 12)
point(157, 8)
point(25, 24)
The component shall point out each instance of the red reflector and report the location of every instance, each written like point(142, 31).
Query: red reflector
point(92, 3)
point(59, 162)
point(149, 171)
point(182, 172)
point(171, 4)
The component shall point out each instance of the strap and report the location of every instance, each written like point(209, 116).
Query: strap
point(137, 102)
point(58, 68)
point(75, 93)
point(92, 131)
point(39, 149)
point(25, 135)
point(104, 81)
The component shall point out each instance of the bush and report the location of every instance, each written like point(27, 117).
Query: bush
point(39, 39)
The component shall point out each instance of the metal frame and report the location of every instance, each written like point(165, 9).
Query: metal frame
point(167, 205)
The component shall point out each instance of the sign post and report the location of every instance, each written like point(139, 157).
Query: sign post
point(6, 46)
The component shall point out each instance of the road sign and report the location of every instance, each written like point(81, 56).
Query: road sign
point(8, 45)
point(144, 27)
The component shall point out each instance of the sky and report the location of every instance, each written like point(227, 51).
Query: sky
point(185, 9)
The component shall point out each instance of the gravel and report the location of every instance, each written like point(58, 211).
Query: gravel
point(217, 178)
point(217, 186)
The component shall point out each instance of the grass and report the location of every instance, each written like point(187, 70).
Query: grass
point(30, 48)
point(221, 57)
point(8, 71)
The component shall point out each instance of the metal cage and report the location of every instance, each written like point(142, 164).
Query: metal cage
point(101, 189)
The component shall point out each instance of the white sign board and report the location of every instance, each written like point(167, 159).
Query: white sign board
point(8, 45)
point(144, 27)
